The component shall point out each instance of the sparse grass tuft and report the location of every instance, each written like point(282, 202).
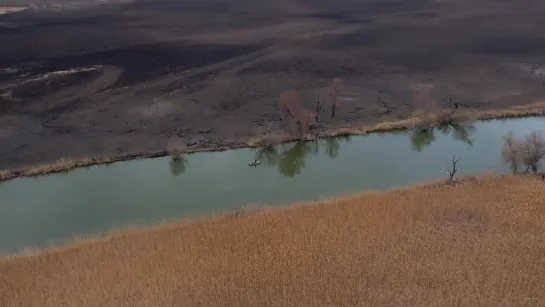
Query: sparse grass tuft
point(67, 164)
point(269, 139)
point(5, 175)
point(404, 124)
point(63, 164)
point(477, 243)
point(534, 109)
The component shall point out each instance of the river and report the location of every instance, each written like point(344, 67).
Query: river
point(53, 208)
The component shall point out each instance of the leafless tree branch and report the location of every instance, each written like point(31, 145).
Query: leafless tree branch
point(452, 168)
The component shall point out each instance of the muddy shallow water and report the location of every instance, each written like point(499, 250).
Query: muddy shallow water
point(87, 201)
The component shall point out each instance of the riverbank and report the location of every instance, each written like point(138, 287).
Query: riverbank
point(67, 164)
point(104, 94)
point(477, 243)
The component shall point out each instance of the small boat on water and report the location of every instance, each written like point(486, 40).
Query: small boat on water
point(254, 163)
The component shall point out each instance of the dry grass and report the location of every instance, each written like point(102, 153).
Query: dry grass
point(61, 165)
point(269, 139)
point(5, 175)
point(534, 109)
point(66, 164)
point(480, 243)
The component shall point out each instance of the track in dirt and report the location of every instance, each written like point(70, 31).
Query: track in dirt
point(209, 73)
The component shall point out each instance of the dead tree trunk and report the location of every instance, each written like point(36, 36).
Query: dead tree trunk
point(319, 106)
point(335, 89)
point(452, 168)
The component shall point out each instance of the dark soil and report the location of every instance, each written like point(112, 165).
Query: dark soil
point(111, 79)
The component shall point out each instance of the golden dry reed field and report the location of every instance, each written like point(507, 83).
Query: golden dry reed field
point(477, 243)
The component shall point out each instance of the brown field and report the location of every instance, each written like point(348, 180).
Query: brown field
point(478, 243)
point(80, 80)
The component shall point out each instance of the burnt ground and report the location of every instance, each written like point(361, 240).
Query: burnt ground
point(97, 80)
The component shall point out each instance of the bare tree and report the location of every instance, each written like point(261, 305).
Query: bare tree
point(445, 116)
point(453, 104)
point(438, 115)
point(512, 152)
point(534, 151)
point(175, 148)
point(335, 91)
point(529, 151)
point(319, 106)
point(424, 98)
point(426, 102)
point(291, 107)
point(452, 168)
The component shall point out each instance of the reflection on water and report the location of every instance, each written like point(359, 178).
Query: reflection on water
point(177, 166)
point(332, 145)
point(422, 138)
point(290, 158)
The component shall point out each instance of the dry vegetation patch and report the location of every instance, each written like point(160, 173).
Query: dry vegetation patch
point(478, 243)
